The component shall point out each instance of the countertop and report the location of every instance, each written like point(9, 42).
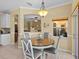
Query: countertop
point(5, 34)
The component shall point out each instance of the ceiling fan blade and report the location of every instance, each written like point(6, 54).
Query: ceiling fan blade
point(28, 3)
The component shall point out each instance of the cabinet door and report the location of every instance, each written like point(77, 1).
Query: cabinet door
point(5, 39)
point(5, 21)
point(7, 17)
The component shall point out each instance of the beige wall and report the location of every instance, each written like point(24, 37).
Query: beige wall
point(13, 13)
point(20, 12)
point(59, 13)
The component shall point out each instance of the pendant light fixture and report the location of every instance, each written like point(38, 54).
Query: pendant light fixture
point(42, 12)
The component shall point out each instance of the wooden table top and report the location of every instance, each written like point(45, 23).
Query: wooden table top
point(42, 42)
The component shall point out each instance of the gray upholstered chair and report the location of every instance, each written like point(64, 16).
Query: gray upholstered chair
point(46, 34)
point(53, 49)
point(28, 51)
point(26, 36)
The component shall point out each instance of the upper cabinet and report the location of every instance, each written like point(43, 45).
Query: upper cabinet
point(5, 21)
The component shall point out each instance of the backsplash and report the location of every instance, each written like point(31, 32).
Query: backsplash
point(5, 30)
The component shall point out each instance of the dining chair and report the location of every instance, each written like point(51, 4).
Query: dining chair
point(29, 52)
point(53, 49)
point(46, 34)
point(26, 36)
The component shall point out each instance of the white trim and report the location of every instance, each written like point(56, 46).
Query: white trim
point(13, 9)
point(67, 51)
point(73, 54)
point(59, 5)
point(28, 8)
point(64, 50)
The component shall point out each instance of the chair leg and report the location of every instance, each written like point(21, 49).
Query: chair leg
point(46, 55)
point(25, 58)
point(52, 55)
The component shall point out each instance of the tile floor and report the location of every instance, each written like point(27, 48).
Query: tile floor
point(12, 52)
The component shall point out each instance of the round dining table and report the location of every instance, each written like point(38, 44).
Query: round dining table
point(42, 44)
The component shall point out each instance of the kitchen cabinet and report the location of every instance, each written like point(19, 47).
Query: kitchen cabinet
point(5, 39)
point(5, 21)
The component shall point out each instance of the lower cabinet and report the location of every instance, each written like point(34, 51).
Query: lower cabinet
point(5, 39)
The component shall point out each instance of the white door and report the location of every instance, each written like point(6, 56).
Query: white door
point(75, 34)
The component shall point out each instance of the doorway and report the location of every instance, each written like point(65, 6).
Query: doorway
point(16, 29)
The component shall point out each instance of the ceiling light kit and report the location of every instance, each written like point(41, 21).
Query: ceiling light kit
point(42, 12)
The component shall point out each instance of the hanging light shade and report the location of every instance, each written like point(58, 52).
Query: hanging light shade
point(42, 12)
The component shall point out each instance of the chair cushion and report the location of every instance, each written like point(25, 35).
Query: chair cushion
point(50, 50)
point(37, 53)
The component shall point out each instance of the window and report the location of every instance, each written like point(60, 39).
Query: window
point(32, 23)
point(60, 27)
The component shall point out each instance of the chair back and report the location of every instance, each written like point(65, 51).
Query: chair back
point(27, 48)
point(26, 36)
point(46, 34)
point(58, 42)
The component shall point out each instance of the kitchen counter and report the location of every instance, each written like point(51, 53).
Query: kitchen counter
point(4, 33)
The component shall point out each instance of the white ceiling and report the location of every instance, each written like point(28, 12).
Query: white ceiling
point(10, 4)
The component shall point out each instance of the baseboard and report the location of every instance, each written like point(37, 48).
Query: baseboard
point(64, 50)
point(73, 54)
